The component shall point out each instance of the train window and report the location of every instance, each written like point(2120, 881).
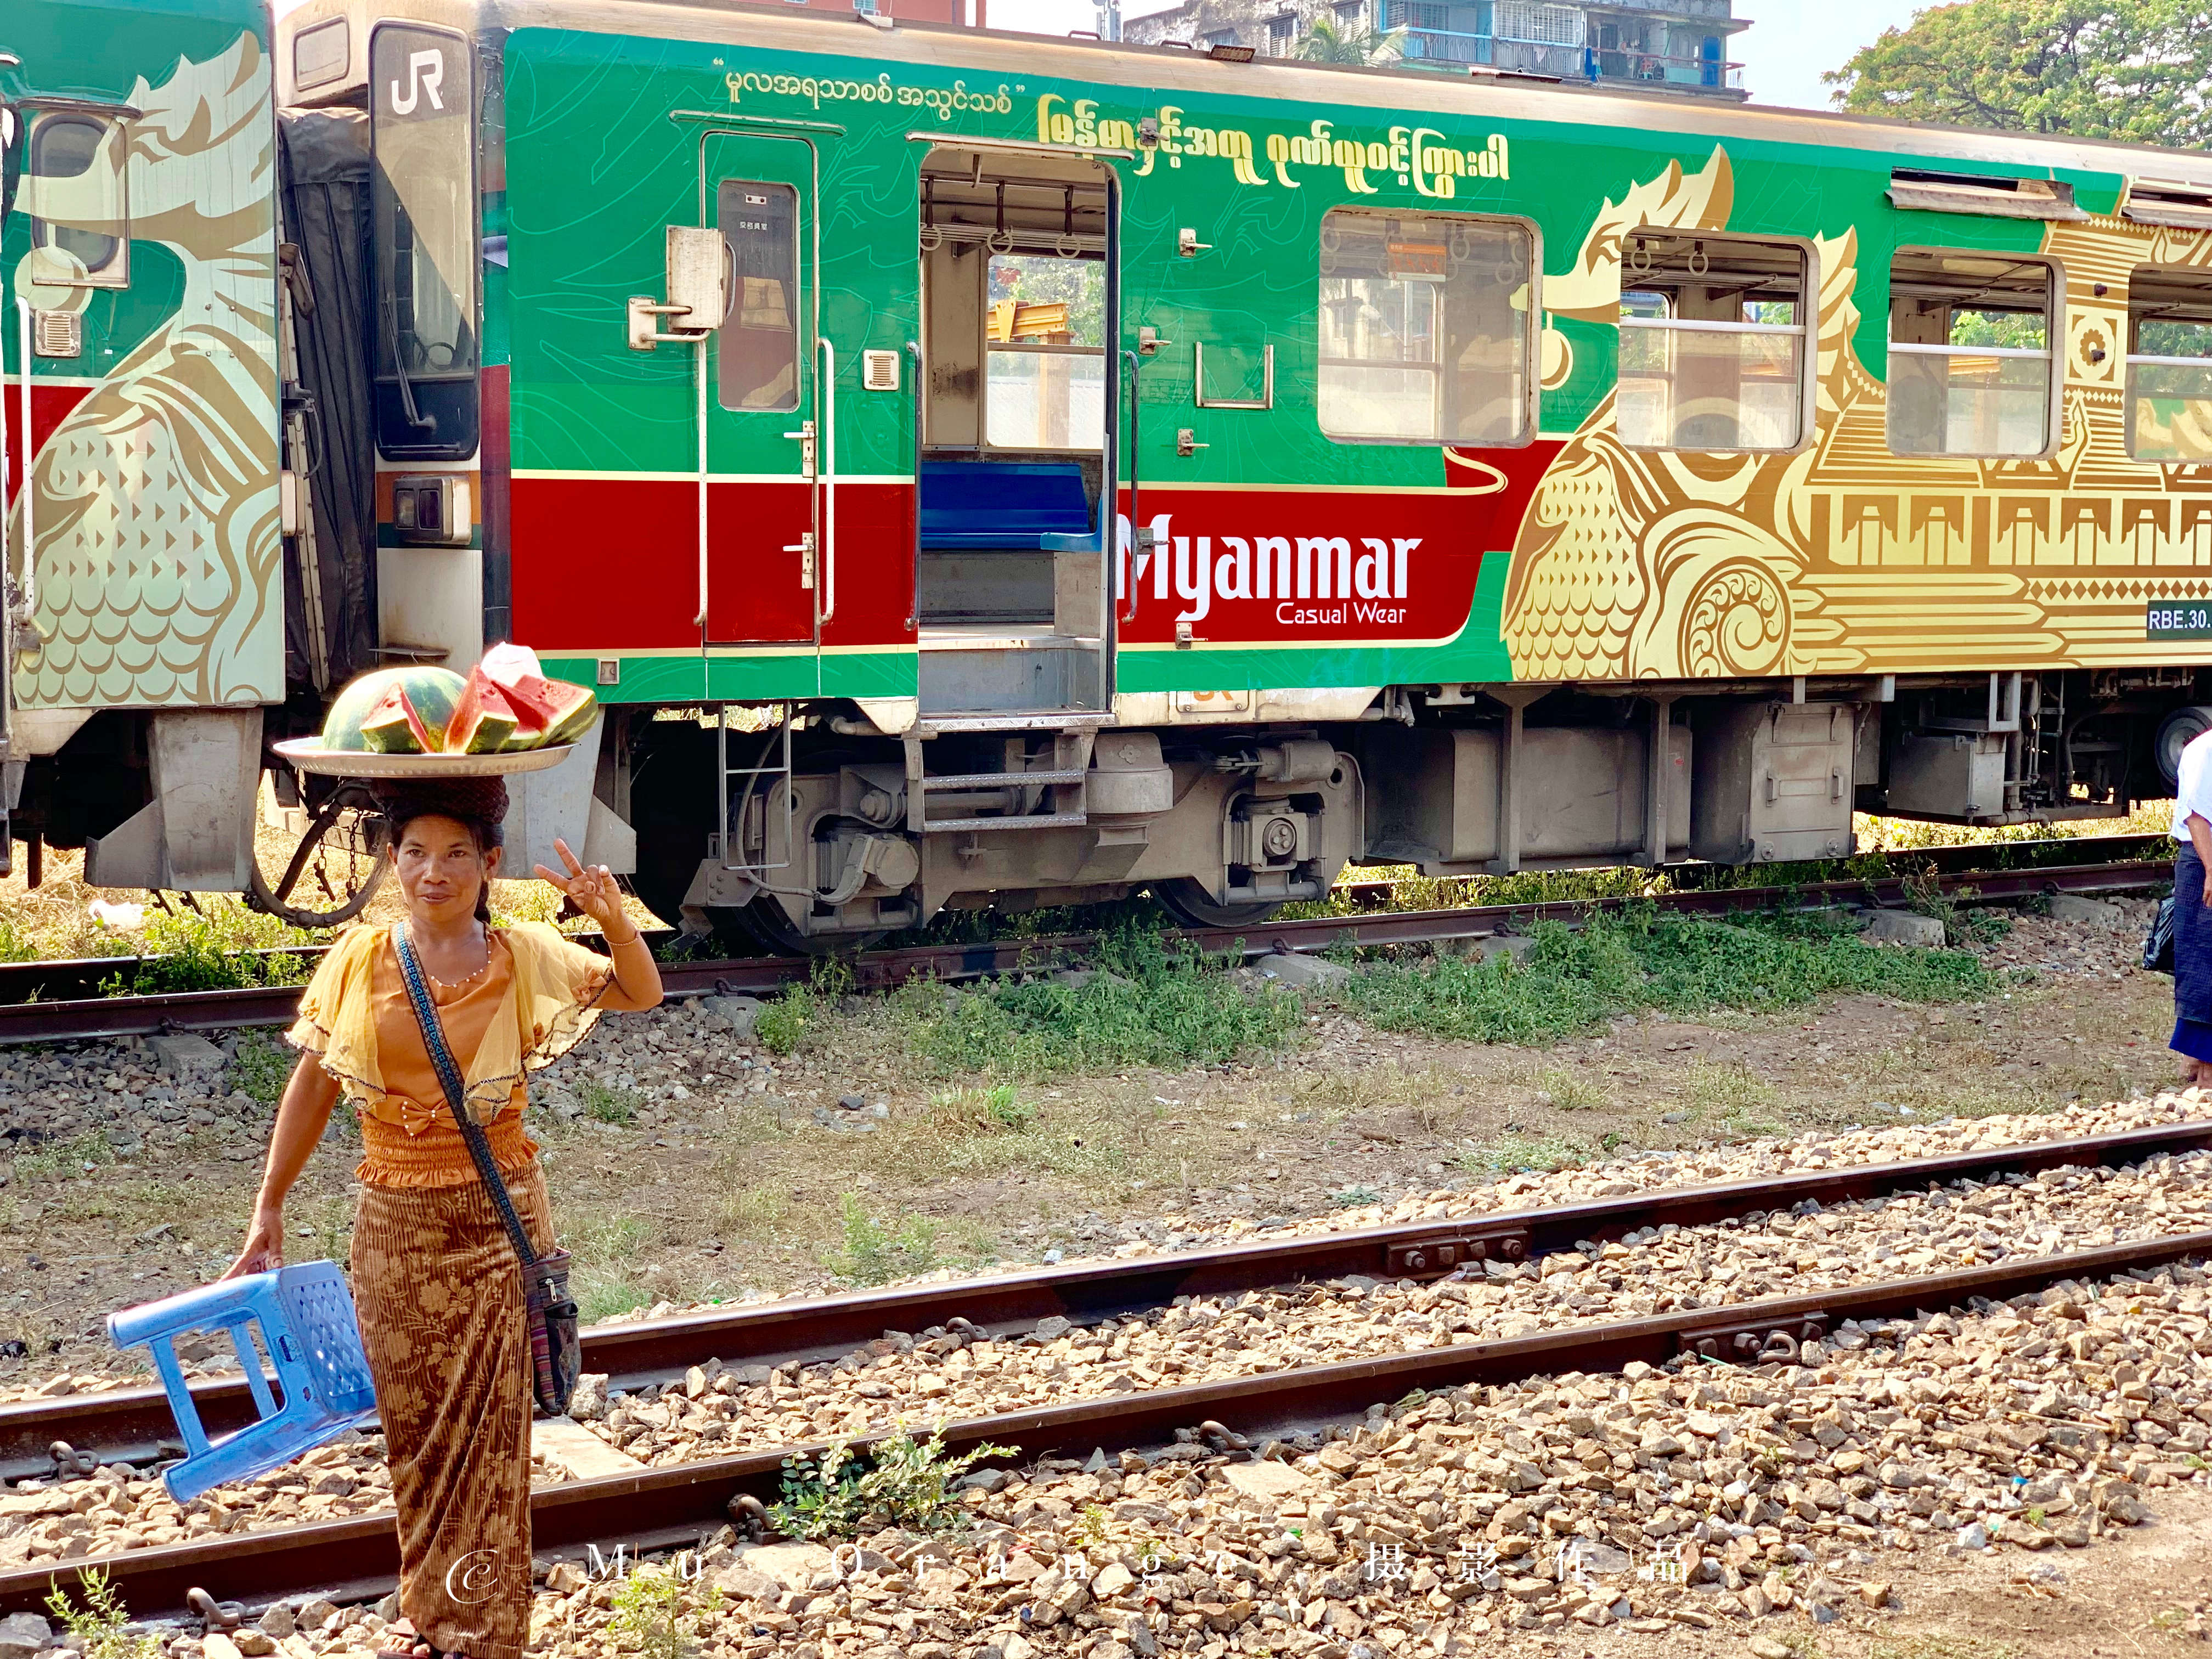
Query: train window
point(1970, 353)
point(73, 186)
point(759, 341)
point(1712, 344)
point(321, 54)
point(1425, 335)
point(422, 191)
point(2170, 365)
point(1045, 345)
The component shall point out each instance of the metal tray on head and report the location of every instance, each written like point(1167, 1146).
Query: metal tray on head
point(309, 756)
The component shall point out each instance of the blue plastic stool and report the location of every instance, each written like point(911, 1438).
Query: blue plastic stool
point(307, 1324)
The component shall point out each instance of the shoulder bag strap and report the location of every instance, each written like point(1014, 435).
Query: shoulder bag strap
point(449, 1078)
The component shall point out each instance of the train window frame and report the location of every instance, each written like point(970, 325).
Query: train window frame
point(2054, 324)
point(1529, 368)
point(729, 208)
point(1015, 347)
point(309, 71)
point(388, 115)
point(41, 268)
point(1671, 327)
point(2154, 277)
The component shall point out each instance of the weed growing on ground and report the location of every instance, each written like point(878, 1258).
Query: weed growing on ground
point(1542, 1154)
point(1939, 1647)
point(101, 1628)
point(604, 1103)
point(1924, 896)
point(220, 945)
point(1351, 1198)
point(662, 1615)
point(897, 1482)
point(81, 1154)
point(1569, 1093)
point(1001, 1108)
point(1152, 1004)
point(606, 1248)
point(784, 1021)
point(1636, 960)
point(874, 1255)
point(261, 1069)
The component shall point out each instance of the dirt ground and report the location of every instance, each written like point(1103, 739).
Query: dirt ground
point(729, 1184)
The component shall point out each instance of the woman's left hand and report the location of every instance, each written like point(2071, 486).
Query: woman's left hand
point(591, 890)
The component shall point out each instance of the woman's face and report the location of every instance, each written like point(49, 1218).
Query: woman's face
point(441, 870)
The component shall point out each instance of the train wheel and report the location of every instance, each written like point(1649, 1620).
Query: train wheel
point(1186, 899)
point(764, 926)
point(342, 858)
point(2174, 736)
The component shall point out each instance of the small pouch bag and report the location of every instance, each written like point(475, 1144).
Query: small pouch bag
point(2158, 944)
point(557, 1352)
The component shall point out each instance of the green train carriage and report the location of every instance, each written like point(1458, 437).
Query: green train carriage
point(1070, 468)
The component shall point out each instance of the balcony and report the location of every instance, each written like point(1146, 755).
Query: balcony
point(1687, 74)
point(1441, 47)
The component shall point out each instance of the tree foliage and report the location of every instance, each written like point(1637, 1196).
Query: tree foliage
point(1327, 42)
point(2131, 70)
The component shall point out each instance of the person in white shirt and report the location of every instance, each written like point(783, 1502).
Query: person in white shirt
point(2192, 911)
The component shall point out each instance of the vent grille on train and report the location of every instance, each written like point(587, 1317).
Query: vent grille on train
point(879, 371)
point(1969, 193)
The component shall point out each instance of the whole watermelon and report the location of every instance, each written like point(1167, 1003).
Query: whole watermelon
point(431, 691)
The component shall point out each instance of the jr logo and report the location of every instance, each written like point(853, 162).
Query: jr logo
point(425, 73)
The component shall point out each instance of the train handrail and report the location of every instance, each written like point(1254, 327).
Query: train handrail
point(827, 471)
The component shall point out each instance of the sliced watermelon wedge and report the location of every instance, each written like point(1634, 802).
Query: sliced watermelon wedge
point(483, 721)
point(547, 712)
point(393, 727)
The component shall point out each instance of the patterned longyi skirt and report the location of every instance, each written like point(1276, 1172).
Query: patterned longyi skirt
point(440, 1301)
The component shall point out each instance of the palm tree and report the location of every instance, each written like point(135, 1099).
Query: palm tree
point(1327, 43)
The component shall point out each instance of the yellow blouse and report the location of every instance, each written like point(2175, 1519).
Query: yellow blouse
point(533, 1001)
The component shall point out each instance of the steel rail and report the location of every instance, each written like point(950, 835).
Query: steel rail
point(206, 1010)
point(136, 1425)
point(2021, 856)
point(80, 978)
point(654, 1507)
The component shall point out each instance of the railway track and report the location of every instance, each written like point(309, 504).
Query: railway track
point(77, 1018)
point(655, 1506)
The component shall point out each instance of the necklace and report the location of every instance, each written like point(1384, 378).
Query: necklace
point(456, 984)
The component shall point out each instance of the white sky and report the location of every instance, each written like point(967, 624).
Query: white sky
point(1785, 50)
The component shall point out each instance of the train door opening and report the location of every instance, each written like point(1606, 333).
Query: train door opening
point(760, 549)
point(1019, 301)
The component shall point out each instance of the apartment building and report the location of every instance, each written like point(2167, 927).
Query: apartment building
point(1681, 46)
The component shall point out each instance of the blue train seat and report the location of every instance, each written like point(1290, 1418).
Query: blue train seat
point(306, 1319)
point(1022, 506)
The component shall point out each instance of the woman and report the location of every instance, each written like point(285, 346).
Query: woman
point(434, 1277)
point(2192, 911)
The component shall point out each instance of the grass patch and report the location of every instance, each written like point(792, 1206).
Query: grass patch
point(81, 1154)
point(261, 1068)
point(661, 1615)
point(1536, 1154)
point(216, 945)
point(1570, 982)
point(874, 1254)
point(606, 1248)
point(604, 1103)
point(1570, 1093)
point(999, 1109)
point(1743, 1102)
point(897, 1482)
point(1154, 1004)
